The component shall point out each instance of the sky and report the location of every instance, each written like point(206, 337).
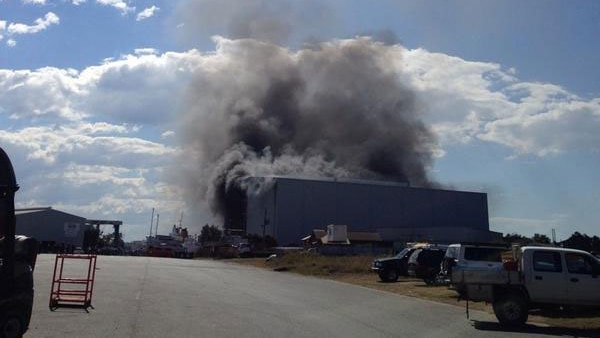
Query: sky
point(91, 94)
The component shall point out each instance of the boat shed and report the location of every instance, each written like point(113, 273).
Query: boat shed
point(52, 227)
point(288, 208)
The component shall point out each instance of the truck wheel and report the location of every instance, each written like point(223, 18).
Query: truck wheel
point(511, 310)
point(389, 275)
point(11, 326)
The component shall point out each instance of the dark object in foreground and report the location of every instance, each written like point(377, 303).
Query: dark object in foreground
point(18, 260)
point(425, 264)
point(390, 268)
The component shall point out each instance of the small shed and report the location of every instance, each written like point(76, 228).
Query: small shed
point(51, 227)
point(353, 242)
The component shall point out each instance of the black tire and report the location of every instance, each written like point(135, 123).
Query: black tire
point(389, 275)
point(511, 310)
point(11, 326)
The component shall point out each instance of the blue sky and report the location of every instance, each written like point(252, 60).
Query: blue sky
point(513, 90)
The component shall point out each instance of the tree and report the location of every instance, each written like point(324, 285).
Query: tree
point(105, 240)
point(210, 233)
point(579, 241)
point(541, 239)
point(516, 239)
point(91, 239)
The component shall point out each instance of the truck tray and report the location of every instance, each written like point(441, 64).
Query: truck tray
point(466, 275)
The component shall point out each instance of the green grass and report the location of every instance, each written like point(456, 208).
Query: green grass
point(313, 264)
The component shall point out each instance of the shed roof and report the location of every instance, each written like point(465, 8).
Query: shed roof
point(28, 211)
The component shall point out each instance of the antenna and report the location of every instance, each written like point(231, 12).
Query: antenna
point(157, 218)
point(151, 222)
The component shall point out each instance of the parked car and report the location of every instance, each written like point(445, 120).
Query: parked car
point(538, 277)
point(425, 263)
point(390, 268)
point(483, 256)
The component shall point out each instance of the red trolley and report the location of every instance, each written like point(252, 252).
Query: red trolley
point(72, 291)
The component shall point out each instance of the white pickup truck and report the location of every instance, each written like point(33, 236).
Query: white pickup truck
point(539, 276)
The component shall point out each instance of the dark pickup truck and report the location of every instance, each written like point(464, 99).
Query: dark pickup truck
point(390, 268)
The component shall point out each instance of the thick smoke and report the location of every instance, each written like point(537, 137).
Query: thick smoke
point(335, 109)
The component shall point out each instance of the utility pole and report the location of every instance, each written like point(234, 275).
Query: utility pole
point(553, 236)
point(151, 222)
point(181, 218)
point(157, 218)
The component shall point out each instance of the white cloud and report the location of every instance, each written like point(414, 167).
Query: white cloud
point(167, 134)
point(147, 13)
point(2, 28)
point(78, 2)
point(136, 89)
point(145, 51)
point(34, 2)
point(84, 132)
point(121, 5)
point(91, 143)
point(478, 101)
point(11, 43)
point(92, 169)
point(39, 25)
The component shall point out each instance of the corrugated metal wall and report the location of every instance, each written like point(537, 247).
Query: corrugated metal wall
point(52, 225)
point(295, 207)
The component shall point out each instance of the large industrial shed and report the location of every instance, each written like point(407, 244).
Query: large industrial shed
point(290, 208)
point(51, 226)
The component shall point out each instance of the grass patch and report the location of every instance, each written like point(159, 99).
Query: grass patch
point(357, 270)
point(312, 264)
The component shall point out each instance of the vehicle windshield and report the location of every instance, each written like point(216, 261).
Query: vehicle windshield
point(402, 253)
point(415, 256)
point(484, 254)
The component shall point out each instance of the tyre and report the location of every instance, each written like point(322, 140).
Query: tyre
point(389, 275)
point(511, 310)
point(11, 326)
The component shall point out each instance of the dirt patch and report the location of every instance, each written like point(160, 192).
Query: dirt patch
point(357, 270)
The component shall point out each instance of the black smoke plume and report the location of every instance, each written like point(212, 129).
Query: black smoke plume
point(336, 109)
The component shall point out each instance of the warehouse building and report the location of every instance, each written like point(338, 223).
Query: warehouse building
point(52, 227)
point(289, 208)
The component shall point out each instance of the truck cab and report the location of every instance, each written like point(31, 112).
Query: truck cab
point(561, 276)
point(543, 276)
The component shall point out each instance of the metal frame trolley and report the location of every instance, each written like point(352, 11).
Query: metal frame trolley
point(70, 291)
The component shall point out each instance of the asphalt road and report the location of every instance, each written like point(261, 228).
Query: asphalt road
point(158, 297)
